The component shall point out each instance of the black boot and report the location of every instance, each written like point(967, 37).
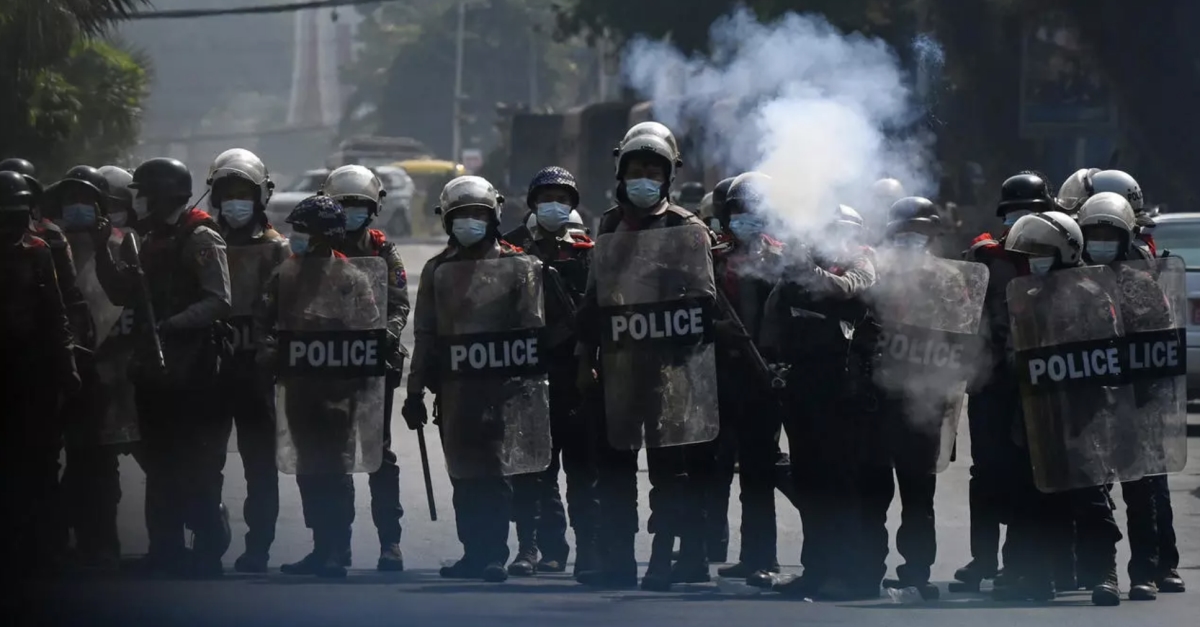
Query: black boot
point(692, 566)
point(1170, 582)
point(970, 576)
point(337, 559)
point(585, 556)
point(311, 563)
point(616, 566)
point(1143, 591)
point(525, 563)
point(1108, 592)
point(464, 568)
point(658, 572)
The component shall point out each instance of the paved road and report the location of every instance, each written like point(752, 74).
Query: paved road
point(419, 597)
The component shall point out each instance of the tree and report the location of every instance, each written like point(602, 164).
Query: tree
point(69, 94)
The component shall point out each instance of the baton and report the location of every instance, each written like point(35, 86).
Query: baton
point(131, 255)
point(768, 376)
point(425, 470)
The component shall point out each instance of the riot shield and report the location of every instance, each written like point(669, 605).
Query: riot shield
point(929, 310)
point(656, 296)
point(104, 313)
point(1153, 306)
point(495, 395)
point(114, 352)
point(1066, 327)
point(332, 351)
point(249, 269)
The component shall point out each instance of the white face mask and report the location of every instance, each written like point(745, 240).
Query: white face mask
point(552, 216)
point(1102, 252)
point(469, 231)
point(237, 213)
point(1040, 265)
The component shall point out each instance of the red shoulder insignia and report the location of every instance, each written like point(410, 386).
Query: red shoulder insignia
point(377, 239)
point(581, 240)
point(195, 216)
point(337, 255)
point(507, 247)
point(983, 237)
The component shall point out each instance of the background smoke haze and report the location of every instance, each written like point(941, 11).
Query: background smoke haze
point(823, 113)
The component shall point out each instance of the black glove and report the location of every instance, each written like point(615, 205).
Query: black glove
point(415, 415)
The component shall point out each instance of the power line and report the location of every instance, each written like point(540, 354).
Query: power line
point(175, 14)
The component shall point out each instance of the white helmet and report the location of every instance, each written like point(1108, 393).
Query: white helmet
point(469, 191)
point(575, 220)
point(1121, 183)
point(887, 191)
point(652, 144)
point(531, 224)
point(243, 164)
point(1107, 209)
point(705, 210)
point(847, 216)
point(1047, 234)
point(1076, 189)
point(656, 129)
point(354, 181)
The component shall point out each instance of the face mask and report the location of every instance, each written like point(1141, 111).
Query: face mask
point(1102, 252)
point(356, 218)
point(141, 206)
point(298, 243)
point(745, 227)
point(237, 213)
point(1011, 218)
point(118, 219)
point(643, 193)
point(910, 240)
point(469, 231)
point(79, 216)
point(1040, 265)
point(552, 215)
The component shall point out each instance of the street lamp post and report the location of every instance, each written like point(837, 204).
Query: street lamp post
point(456, 123)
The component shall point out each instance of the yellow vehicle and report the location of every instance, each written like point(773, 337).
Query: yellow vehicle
point(429, 177)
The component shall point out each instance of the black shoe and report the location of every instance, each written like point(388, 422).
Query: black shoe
point(764, 579)
point(585, 558)
point(391, 559)
point(690, 573)
point(1107, 594)
point(974, 572)
point(552, 565)
point(1171, 582)
point(249, 562)
point(309, 565)
point(656, 582)
point(494, 573)
point(462, 569)
point(333, 566)
point(523, 566)
point(1143, 592)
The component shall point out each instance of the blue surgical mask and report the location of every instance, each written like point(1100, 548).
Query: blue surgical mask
point(745, 226)
point(298, 243)
point(356, 218)
point(118, 218)
point(910, 240)
point(1040, 265)
point(79, 216)
point(643, 193)
point(1102, 252)
point(469, 231)
point(1012, 217)
point(552, 216)
point(237, 213)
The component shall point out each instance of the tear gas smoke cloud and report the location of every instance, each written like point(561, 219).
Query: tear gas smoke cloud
point(825, 114)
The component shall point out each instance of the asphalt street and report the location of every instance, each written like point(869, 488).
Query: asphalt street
point(419, 597)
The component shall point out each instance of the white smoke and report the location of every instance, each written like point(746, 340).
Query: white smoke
point(824, 113)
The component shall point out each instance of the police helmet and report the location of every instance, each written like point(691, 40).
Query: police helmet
point(1076, 189)
point(887, 191)
point(647, 144)
point(118, 185)
point(1107, 209)
point(690, 194)
point(1027, 190)
point(1047, 234)
point(355, 182)
point(656, 129)
point(469, 191)
point(913, 213)
point(1119, 182)
point(705, 209)
point(16, 201)
point(18, 165)
point(747, 193)
point(720, 193)
point(553, 176)
point(319, 215)
point(846, 216)
point(576, 220)
point(162, 177)
point(242, 164)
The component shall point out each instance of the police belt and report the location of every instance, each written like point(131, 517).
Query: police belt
point(333, 354)
point(1144, 356)
point(501, 354)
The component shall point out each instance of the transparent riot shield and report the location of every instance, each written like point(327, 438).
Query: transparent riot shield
point(249, 269)
point(104, 313)
point(115, 348)
point(332, 350)
point(930, 310)
point(1066, 326)
point(1153, 439)
point(656, 296)
point(495, 395)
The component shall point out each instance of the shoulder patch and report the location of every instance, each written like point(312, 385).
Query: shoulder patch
point(378, 239)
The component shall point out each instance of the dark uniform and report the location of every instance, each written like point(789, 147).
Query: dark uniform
point(183, 434)
point(537, 503)
point(386, 510)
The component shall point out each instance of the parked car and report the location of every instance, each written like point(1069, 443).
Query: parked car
point(1178, 235)
point(393, 216)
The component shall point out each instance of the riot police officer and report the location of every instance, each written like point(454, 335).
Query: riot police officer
point(540, 519)
point(828, 352)
point(646, 163)
point(120, 197)
point(361, 193)
point(690, 195)
point(992, 397)
point(183, 440)
point(36, 350)
point(239, 189)
point(470, 210)
point(719, 195)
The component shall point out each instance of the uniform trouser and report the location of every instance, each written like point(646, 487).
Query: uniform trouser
point(328, 504)
point(483, 509)
point(538, 505)
point(91, 481)
point(384, 483)
point(916, 539)
point(29, 453)
point(1168, 549)
point(251, 406)
point(759, 475)
point(1141, 513)
point(994, 461)
point(1096, 532)
point(184, 438)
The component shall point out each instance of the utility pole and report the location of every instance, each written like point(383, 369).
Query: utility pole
point(533, 70)
point(458, 73)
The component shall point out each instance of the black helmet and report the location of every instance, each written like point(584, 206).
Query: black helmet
point(720, 192)
point(18, 165)
point(16, 200)
point(913, 213)
point(162, 177)
point(1027, 190)
point(691, 193)
point(553, 176)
